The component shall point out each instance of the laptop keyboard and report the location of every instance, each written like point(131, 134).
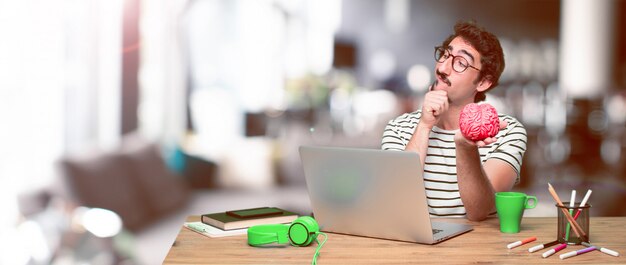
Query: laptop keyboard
point(435, 231)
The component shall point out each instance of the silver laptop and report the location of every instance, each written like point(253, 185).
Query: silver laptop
point(372, 193)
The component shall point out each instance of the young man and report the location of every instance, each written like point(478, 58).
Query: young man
point(461, 176)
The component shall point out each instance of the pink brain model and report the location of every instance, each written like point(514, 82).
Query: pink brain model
point(479, 121)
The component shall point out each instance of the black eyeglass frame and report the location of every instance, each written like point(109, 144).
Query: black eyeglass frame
point(445, 54)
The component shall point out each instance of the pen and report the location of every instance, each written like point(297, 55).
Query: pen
point(570, 219)
point(521, 242)
point(554, 250)
point(603, 250)
point(583, 203)
point(196, 227)
point(542, 246)
point(577, 252)
point(572, 203)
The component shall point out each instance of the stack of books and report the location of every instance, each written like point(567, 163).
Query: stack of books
point(212, 231)
point(237, 222)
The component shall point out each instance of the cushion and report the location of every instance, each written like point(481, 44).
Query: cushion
point(162, 189)
point(103, 181)
point(133, 181)
point(199, 172)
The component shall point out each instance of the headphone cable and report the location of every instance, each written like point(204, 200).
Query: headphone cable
point(319, 246)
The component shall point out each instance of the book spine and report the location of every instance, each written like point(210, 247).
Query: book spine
point(214, 222)
point(262, 221)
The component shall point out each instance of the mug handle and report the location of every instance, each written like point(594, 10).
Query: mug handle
point(528, 205)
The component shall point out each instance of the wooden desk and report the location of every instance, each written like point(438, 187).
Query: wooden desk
point(485, 244)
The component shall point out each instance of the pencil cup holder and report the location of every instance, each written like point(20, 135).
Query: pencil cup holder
point(566, 232)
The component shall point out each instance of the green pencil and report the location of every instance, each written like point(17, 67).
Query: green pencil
point(571, 212)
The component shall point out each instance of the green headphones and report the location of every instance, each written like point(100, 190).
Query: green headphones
point(301, 232)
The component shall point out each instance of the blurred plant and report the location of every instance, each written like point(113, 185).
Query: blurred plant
point(313, 91)
point(309, 91)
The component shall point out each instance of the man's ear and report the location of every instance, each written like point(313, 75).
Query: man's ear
point(484, 84)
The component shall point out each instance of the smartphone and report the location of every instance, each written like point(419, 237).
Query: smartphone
point(255, 212)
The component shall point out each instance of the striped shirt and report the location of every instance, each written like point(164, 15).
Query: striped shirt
point(440, 179)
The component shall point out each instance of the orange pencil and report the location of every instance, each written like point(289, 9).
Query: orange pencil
point(521, 242)
point(570, 219)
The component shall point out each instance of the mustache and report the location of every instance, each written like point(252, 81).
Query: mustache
point(443, 77)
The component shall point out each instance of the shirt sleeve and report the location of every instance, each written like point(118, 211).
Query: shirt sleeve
point(391, 139)
point(511, 145)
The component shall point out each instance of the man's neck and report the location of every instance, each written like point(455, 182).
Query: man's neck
point(450, 120)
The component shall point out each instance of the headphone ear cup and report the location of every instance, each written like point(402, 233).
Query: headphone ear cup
point(312, 224)
point(303, 231)
point(267, 234)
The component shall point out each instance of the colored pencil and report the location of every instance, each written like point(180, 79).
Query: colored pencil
point(542, 246)
point(577, 252)
point(570, 219)
point(554, 250)
point(582, 204)
point(521, 242)
point(572, 203)
point(603, 250)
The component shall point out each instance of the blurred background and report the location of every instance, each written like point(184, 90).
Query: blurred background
point(122, 117)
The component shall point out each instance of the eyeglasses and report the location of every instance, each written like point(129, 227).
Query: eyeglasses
point(459, 63)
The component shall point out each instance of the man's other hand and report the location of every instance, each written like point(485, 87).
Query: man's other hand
point(460, 139)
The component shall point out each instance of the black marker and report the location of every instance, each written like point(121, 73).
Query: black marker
point(542, 246)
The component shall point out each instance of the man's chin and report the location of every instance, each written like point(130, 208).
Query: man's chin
point(440, 86)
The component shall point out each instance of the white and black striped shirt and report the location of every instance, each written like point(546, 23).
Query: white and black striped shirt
point(440, 179)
